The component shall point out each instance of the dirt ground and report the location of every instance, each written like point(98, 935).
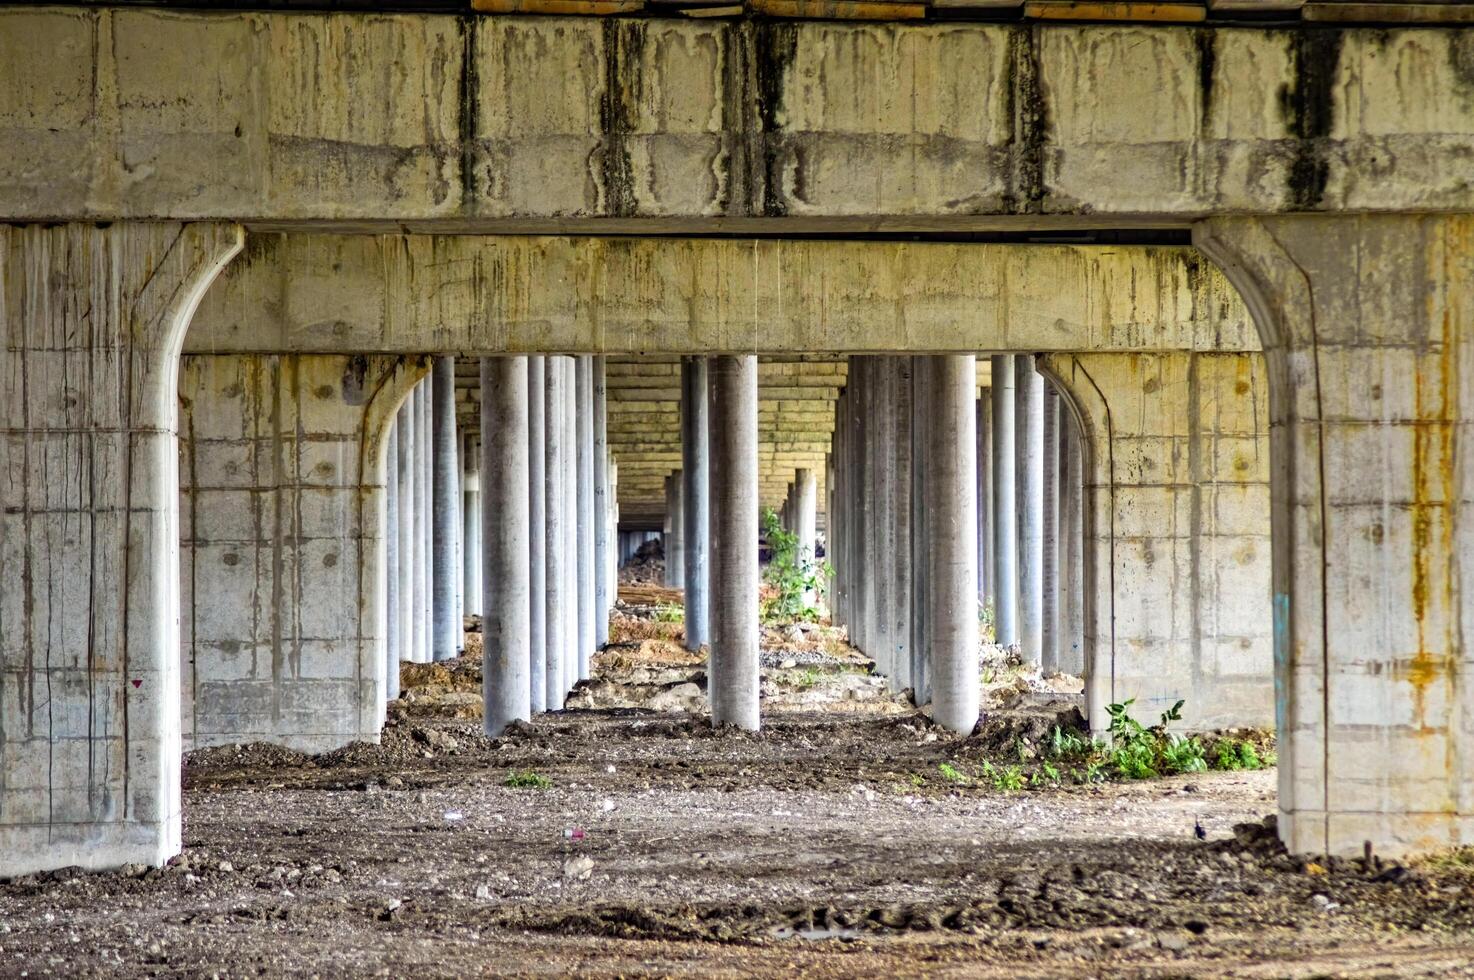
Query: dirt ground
point(638, 841)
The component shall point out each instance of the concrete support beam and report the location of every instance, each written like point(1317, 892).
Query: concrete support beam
point(1177, 559)
point(1049, 535)
point(283, 547)
point(950, 517)
point(393, 629)
point(537, 525)
point(424, 551)
point(507, 622)
point(404, 465)
point(1005, 490)
point(558, 549)
point(445, 498)
point(1072, 542)
point(471, 525)
point(571, 606)
point(806, 509)
point(695, 459)
point(92, 320)
point(584, 430)
point(1368, 337)
point(986, 560)
point(558, 535)
point(922, 407)
point(675, 539)
point(903, 662)
point(603, 581)
point(733, 665)
point(1029, 505)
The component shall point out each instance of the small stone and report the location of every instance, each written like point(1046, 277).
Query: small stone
point(788, 664)
point(225, 867)
point(133, 870)
point(483, 893)
point(1174, 942)
point(1320, 901)
point(394, 782)
point(578, 868)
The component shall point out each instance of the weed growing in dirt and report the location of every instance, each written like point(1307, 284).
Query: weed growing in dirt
point(951, 774)
point(792, 575)
point(1232, 754)
point(986, 625)
point(1134, 751)
point(1006, 779)
point(670, 612)
point(527, 779)
point(807, 679)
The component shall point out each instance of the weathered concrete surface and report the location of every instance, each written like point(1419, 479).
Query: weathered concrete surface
point(282, 542)
point(540, 123)
point(1177, 550)
point(91, 320)
point(1368, 328)
point(493, 294)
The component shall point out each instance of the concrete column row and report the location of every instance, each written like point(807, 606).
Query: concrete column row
point(1037, 587)
point(543, 466)
point(903, 525)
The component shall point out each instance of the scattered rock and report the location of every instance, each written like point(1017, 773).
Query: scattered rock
point(578, 868)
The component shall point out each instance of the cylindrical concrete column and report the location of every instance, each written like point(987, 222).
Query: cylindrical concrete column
point(603, 593)
point(806, 509)
point(557, 549)
point(587, 600)
point(424, 621)
point(733, 665)
point(880, 432)
point(1005, 518)
point(1049, 522)
point(921, 424)
point(575, 653)
point(404, 427)
point(904, 586)
point(675, 543)
point(445, 508)
point(392, 622)
point(1029, 424)
point(695, 456)
point(537, 526)
point(1072, 533)
point(985, 499)
point(506, 624)
point(950, 516)
point(862, 415)
point(471, 523)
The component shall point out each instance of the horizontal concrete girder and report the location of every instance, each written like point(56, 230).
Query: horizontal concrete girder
point(502, 122)
point(486, 295)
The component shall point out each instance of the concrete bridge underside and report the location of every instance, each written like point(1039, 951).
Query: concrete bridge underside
point(1323, 172)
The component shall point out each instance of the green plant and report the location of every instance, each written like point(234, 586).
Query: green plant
point(1006, 779)
point(986, 625)
point(806, 679)
point(670, 612)
point(1046, 773)
point(1066, 744)
point(794, 576)
point(950, 774)
point(527, 779)
point(1183, 755)
point(918, 780)
point(1233, 754)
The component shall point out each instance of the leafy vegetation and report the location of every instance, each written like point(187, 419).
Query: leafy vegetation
point(1133, 751)
point(527, 779)
point(670, 612)
point(793, 576)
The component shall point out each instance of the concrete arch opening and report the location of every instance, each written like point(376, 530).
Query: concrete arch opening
point(1148, 312)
